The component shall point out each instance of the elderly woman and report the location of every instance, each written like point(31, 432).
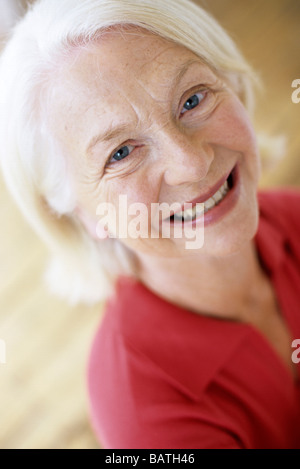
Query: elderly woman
point(135, 117)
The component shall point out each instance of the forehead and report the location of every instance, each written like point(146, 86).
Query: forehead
point(132, 52)
point(125, 61)
point(128, 73)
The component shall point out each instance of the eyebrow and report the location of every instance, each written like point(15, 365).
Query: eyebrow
point(109, 134)
point(112, 133)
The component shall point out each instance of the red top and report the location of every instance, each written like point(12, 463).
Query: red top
point(164, 377)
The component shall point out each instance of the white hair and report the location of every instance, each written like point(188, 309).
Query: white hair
point(34, 167)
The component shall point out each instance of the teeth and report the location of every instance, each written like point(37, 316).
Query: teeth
point(225, 188)
point(197, 210)
point(188, 214)
point(210, 203)
point(218, 196)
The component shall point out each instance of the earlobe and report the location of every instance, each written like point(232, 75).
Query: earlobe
point(92, 226)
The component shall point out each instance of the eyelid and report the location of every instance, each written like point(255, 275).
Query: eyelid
point(203, 91)
point(110, 158)
point(210, 92)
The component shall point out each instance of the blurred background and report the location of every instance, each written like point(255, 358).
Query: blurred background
point(43, 399)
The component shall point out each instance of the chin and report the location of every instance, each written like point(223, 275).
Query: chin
point(234, 234)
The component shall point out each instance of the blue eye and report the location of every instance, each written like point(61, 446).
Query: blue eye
point(192, 102)
point(122, 153)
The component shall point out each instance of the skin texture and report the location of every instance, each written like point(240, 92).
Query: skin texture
point(175, 159)
point(141, 82)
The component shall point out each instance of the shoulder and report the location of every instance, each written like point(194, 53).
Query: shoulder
point(279, 194)
point(277, 238)
point(150, 359)
point(279, 222)
point(148, 329)
point(280, 205)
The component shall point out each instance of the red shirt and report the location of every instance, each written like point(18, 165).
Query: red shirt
point(161, 376)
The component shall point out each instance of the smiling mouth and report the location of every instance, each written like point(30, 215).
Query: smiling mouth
point(200, 208)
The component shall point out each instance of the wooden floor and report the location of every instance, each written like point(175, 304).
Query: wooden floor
point(43, 400)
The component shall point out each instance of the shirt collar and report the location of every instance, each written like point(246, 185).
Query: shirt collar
point(186, 347)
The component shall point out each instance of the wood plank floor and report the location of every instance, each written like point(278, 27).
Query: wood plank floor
point(43, 400)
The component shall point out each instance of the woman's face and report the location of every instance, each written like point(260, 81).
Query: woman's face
point(143, 120)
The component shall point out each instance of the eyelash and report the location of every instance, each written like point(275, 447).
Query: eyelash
point(203, 92)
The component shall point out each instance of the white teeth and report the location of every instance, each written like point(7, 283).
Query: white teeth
point(189, 213)
point(186, 215)
point(225, 188)
point(210, 203)
point(198, 209)
point(218, 196)
point(178, 216)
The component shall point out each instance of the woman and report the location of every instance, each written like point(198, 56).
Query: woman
point(133, 117)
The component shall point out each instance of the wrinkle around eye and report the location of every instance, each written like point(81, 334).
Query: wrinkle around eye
point(205, 108)
point(125, 167)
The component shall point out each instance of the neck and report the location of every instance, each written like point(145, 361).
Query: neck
point(222, 287)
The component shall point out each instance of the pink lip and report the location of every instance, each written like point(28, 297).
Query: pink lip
point(207, 195)
point(225, 206)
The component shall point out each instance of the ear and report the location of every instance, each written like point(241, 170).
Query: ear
point(93, 226)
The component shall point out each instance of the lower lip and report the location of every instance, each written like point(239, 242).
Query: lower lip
point(215, 214)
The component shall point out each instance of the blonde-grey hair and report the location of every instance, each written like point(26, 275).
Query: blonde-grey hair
point(33, 165)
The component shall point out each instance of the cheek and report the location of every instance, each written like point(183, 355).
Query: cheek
point(122, 206)
point(141, 186)
point(135, 196)
point(232, 128)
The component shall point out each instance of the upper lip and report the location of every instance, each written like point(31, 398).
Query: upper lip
point(205, 196)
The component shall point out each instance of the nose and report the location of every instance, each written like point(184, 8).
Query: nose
point(186, 156)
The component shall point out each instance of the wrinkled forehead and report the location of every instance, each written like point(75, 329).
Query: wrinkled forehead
point(121, 58)
point(123, 77)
